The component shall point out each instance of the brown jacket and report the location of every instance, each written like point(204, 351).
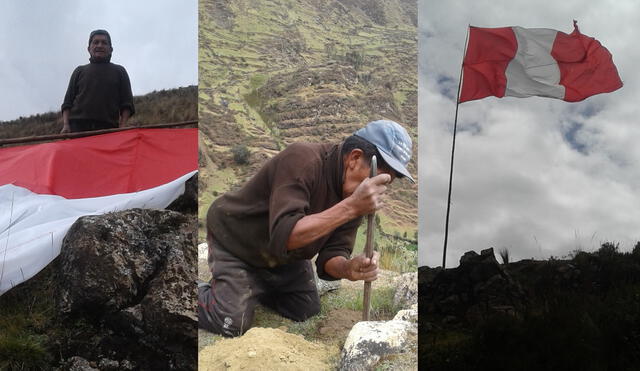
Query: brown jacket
point(254, 223)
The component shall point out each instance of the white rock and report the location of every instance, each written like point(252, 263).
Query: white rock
point(368, 341)
point(409, 315)
point(326, 286)
point(406, 290)
point(203, 251)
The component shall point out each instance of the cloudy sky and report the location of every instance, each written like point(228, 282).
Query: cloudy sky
point(41, 43)
point(537, 176)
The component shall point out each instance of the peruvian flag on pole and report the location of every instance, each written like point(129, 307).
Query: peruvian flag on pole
point(523, 62)
point(44, 188)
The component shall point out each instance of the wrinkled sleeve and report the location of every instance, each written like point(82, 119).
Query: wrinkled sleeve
point(340, 244)
point(126, 95)
point(289, 200)
point(72, 90)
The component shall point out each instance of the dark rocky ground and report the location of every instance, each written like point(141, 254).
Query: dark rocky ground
point(581, 313)
point(120, 296)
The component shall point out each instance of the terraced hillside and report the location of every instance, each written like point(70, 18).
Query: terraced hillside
point(274, 72)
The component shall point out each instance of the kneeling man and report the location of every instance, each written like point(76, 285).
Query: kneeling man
point(308, 200)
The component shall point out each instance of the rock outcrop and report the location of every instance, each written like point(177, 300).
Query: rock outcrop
point(132, 274)
point(477, 288)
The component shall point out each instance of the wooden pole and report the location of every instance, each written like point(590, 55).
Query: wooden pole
point(368, 247)
point(51, 137)
point(453, 149)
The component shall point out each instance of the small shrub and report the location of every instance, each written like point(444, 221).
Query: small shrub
point(356, 58)
point(24, 352)
point(381, 304)
point(636, 250)
point(608, 249)
point(504, 254)
point(241, 154)
point(574, 253)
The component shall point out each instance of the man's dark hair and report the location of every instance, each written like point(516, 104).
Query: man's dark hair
point(368, 149)
point(99, 32)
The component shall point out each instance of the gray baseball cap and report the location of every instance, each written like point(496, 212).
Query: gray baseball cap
point(393, 143)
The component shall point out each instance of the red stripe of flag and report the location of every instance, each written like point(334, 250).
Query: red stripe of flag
point(488, 53)
point(102, 165)
point(586, 67)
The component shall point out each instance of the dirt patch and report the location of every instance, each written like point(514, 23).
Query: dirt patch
point(267, 349)
point(338, 324)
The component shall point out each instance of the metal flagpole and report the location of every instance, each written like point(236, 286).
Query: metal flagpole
point(453, 148)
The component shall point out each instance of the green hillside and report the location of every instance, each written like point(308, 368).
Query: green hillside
point(279, 71)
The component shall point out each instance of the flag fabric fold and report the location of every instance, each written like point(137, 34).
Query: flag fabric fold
point(522, 62)
point(45, 188)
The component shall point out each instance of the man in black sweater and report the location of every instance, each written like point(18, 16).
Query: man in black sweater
point(99, 94)
point(306, 201)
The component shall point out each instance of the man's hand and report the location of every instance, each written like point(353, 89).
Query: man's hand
point(124, 117)
point(65, 122)
point(361, 268)
point(358, 268)
point(367, 197)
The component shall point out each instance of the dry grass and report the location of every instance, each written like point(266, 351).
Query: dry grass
point(158, 107)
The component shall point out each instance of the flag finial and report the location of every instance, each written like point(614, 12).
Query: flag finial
point(575, 26)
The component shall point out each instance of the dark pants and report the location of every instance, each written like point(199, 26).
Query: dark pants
point(77, 125)
point(227, 305)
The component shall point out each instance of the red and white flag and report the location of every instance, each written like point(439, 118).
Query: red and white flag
point(45, 188)
point(524, 62)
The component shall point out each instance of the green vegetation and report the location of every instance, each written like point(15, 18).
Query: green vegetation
point(28, 326)
point(23, 352)
point(382, 306)
point(395, 255)
point(241, 154)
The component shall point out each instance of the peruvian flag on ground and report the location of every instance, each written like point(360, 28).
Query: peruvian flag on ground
point(44, 188)
point(523, 62)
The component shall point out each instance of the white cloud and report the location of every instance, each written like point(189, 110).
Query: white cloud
point(523, 180)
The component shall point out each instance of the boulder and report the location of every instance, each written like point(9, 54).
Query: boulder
point(409, 315)
point(326, 286)
point(188, 201)
point(478, 288)
point(133, 272)
point(370, 341)
point(203, 251)
point(406, 290)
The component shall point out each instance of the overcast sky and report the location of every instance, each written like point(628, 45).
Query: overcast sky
point(42, 42)
point(537, 176)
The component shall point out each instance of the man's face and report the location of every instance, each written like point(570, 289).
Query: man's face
point(99, 47)
point(357, 169)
